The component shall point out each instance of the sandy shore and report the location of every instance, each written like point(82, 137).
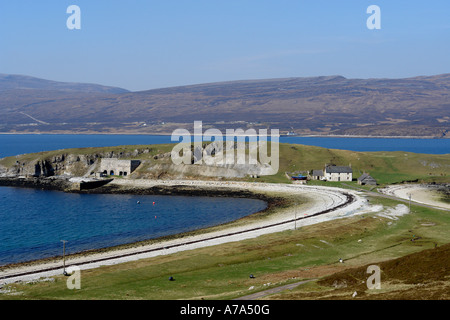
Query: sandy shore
point(319, 199)
point(419, 193)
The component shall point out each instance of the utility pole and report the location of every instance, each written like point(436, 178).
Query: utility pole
point(64, 256)
point(295, 217)
point(409, 194)
point(295, 220)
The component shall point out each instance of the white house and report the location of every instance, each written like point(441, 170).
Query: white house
point(338, 173)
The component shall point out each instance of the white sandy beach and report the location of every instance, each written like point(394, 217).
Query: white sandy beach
point(419, 193)
point(320, 198)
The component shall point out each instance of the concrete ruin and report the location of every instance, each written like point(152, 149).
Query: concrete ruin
point(116, 167)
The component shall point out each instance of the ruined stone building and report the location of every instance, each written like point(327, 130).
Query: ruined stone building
point(116, 167)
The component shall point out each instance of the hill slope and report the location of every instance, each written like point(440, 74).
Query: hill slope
point(418, 276)
point(319, 105)
point(21, 82)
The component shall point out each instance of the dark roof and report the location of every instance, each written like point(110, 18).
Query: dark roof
point(317, 173)
point(365, 176)
point(338, 169)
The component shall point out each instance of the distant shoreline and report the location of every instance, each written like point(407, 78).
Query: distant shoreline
point(169, 134)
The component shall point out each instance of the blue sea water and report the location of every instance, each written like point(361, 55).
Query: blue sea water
point(33, 222)
point(427, 146)
point(11, 144)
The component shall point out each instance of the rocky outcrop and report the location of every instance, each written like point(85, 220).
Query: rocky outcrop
point(59, 184)
point(210, 160)
point(153, 166)
point(35, 168)
point(70, 164)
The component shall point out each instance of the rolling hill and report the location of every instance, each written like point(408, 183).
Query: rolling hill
point(328, 105)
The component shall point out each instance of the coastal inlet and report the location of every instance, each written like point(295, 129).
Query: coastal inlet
point(34, 221)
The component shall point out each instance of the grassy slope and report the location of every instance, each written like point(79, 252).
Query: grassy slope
point(47, 155)
point(386, 167)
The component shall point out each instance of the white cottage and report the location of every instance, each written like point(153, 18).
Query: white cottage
point(338, 173)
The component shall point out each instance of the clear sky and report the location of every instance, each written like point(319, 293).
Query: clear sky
point(146, 44)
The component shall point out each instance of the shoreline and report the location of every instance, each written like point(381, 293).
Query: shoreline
point(323, 204)
point(421, 193)
point(169, 134)
point(62, 185)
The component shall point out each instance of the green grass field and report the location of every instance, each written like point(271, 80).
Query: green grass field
point(386, 167)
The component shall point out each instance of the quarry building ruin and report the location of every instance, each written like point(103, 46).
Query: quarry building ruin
point(116, 167)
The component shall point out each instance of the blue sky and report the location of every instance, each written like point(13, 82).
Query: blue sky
point(145, 44)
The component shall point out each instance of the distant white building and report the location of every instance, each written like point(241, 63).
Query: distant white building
point(338, 173)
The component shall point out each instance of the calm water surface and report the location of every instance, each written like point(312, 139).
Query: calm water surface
point(32, 221)
point(11, 145)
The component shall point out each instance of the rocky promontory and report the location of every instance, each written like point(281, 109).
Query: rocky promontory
point(153, 162)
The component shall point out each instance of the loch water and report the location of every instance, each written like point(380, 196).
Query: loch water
point(15, 144)
point(33, 222)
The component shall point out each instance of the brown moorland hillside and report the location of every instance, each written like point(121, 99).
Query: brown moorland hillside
point(328, 105)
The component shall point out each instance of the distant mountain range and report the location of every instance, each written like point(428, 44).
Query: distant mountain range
point(18, 82)
point(328, 105)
